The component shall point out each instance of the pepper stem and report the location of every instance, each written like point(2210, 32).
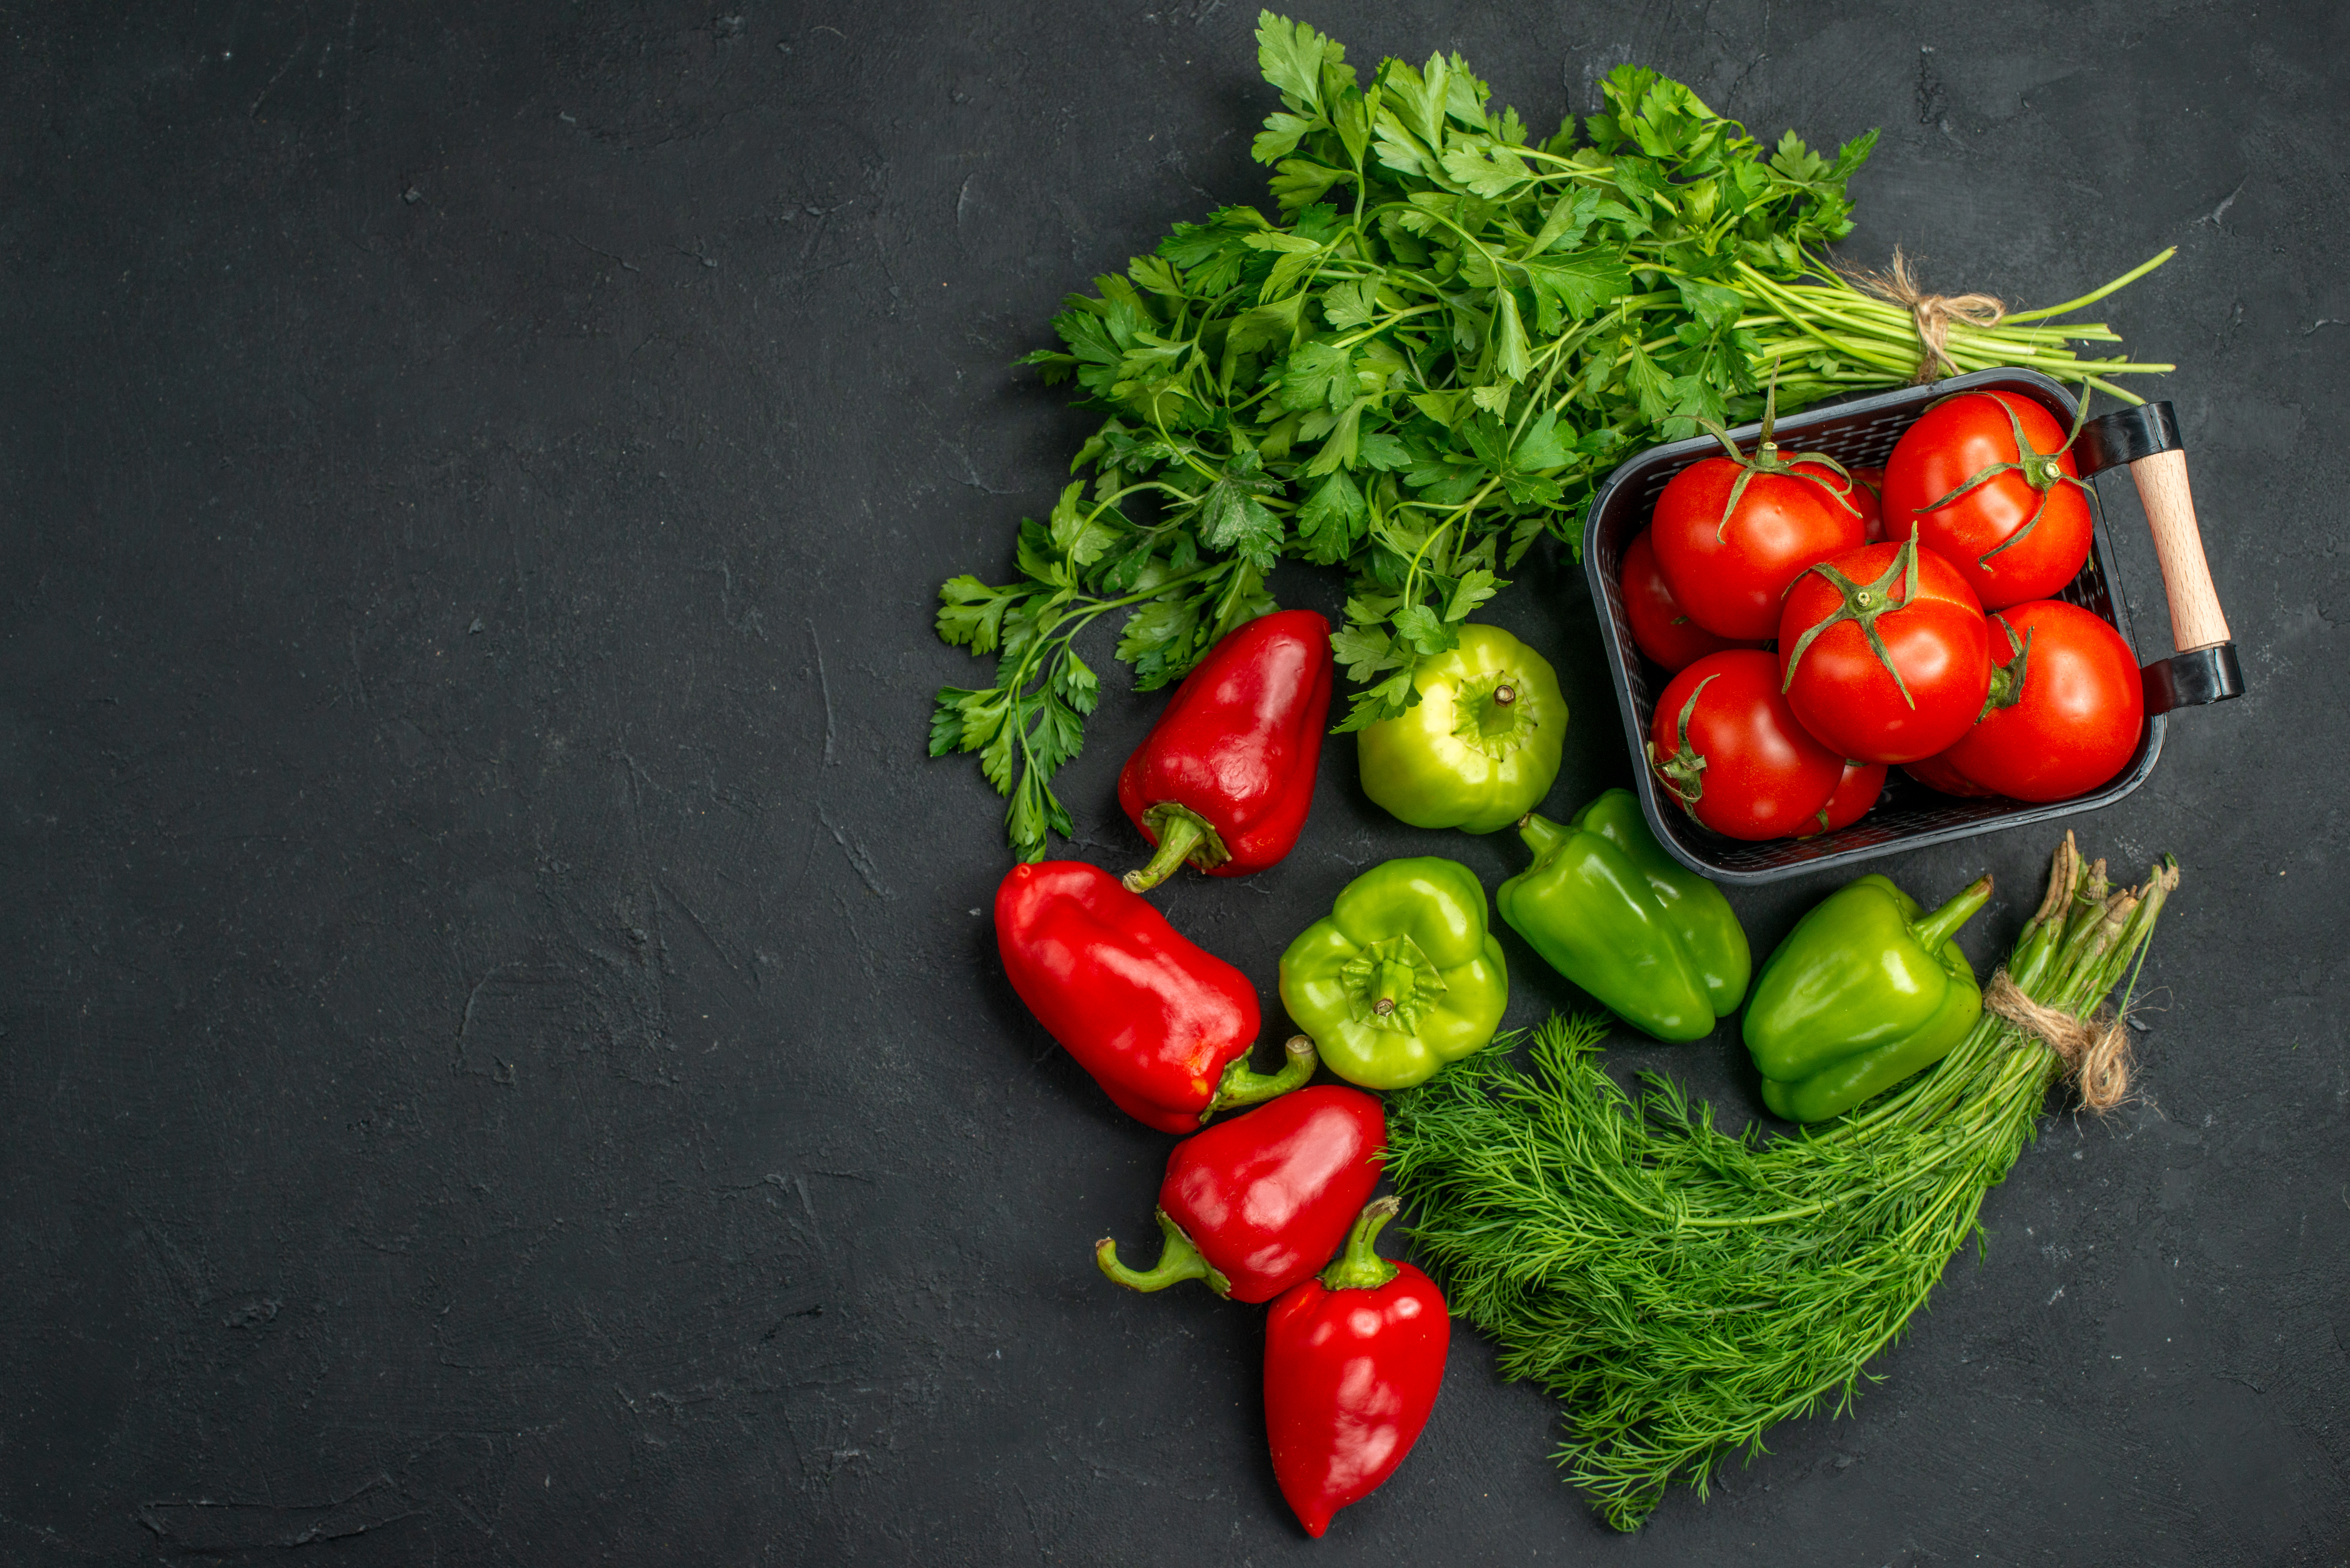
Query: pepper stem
point(1398, 982)
point(1243, 1085)
point(1183, 834)
point(1539, 833)
point(1179, 1261)
point(1491, 713)
point(1360, 1268)
point(1943, 924)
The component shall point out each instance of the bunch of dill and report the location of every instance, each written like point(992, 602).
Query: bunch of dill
point(1683, 1289)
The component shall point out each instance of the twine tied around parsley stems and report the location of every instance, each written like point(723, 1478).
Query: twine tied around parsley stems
point(1933, 314)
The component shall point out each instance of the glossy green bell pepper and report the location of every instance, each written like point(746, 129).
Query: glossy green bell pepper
point(1401, 977)
point(1867, 989)
point(1656, 943)
point(1482, 747)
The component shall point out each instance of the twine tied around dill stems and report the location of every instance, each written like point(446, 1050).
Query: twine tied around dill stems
point(1933, 314)
point(2095, 1050)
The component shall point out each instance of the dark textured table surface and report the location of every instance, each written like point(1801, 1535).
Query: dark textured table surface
point(504, 1057)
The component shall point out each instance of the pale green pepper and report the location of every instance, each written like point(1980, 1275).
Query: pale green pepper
point(1401, 977)
point(1481, 748)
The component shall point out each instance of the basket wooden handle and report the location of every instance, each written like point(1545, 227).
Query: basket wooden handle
point(2195, 618)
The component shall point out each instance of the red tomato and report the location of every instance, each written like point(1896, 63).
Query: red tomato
point(2020, 533)
point(2065, 708)
point(1937, 773)
point(1867, 492)
point(1724, 745)
point(1854, 794)
point(1926, 686)
point(1727, 575)
point(1659, 630)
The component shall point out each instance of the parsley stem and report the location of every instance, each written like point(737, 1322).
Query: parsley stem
point(1699, 250)
point(2095, 295)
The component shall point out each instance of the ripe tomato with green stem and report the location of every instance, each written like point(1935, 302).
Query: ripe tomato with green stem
point(1987, 480)
point(2065, 708)
point(1725, 746)
point(1732, 531)
point(1884, 654)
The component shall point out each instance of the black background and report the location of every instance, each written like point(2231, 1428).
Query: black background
point(504, 1060)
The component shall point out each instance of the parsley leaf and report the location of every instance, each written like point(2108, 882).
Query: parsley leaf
point(1233, 518)
point(1424, 363)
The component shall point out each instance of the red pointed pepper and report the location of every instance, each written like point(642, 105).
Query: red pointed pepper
point(1226, 776)
point(1258, 1204)
point(1352, 1363)
point(1163, 1026)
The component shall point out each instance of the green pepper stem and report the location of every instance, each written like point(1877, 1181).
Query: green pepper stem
point(1179, 1261)
point(1943, 924)
point(1398, 982)
point(1541, 834)
point(1360, 1268)
point(1497, 711)
point(1183, 834)
point(1243, 1085)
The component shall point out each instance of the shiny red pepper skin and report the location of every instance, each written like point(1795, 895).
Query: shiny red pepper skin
point(1258, 1204)
point(1226, 777)
point(1352, 1363)
point(1163, 1026)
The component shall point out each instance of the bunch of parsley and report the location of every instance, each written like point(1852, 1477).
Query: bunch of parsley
point(1450, 337)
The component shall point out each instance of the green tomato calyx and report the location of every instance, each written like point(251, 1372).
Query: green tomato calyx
point(1766, 460)
point(2044, 471)
point(1862, 603)
point(2007, 679)
point(1683, 772)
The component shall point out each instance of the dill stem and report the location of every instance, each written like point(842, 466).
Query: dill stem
point(1682, 1289)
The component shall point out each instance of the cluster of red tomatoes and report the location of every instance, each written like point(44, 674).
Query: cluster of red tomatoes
point(1914, 620)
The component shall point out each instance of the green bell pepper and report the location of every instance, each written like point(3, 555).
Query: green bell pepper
point(1481, 748)
point(1656, 943)
point(1867, 989)
point(1401, 977)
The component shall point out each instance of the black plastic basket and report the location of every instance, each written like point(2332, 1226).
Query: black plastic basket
point(1908, 816)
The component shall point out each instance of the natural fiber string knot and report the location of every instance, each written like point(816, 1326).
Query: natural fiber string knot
point(2096, 1050)
point(1931, 313)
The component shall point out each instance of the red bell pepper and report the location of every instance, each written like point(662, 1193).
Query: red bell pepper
point(1163, 1026)
point(1227, 774)
point(1258, 1204)
point(1352, 1363)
